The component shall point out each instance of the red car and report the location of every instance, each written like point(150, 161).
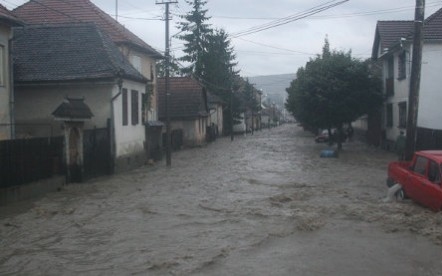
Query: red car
point(420, 179)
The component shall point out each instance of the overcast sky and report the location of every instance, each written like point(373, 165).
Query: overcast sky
point(278, 50)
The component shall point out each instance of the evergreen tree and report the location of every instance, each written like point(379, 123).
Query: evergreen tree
point(196, 31)
point(174, 69)
point(219, 75)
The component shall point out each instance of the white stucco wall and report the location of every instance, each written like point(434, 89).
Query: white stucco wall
point(129, 139)
point(216, 117)
point(194, 131)
point(34, 106)
point(241, 126)
point(5, 118)
point(430, 96)
point(147, 67)
point(401, 91)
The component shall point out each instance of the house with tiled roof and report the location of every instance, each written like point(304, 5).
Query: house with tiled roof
point(7, 21)
point(393, 47)
point(188, 109)
point(140, 54)
point(52, 62)
point(216, 109)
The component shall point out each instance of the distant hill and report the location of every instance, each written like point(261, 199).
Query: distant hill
point(273, 86)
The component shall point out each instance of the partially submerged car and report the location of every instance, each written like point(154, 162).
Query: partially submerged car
point(322, 137)
point(420, 179)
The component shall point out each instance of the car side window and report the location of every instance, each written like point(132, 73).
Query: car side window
point(433, 172)
point(420, 165)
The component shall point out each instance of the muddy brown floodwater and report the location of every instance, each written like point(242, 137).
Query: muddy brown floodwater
point(265, 204)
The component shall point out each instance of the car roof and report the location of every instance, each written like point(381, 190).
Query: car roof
point(432, 154)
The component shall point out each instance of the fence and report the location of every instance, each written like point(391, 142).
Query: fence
point(27, 160)
point(428, 139)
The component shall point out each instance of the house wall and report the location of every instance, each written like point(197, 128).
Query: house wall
point(194, 131)
point(401, 91)
point(129, 139)
point(216, 117)
point(5, 87)
point(146, 65)
point(241, 126)
point(34, 106)
point(430, 97)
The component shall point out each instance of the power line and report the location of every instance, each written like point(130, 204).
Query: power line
point(289, 19)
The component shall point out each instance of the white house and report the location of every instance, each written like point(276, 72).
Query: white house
point(393, 45)
point(7, 21)
point(79, 61)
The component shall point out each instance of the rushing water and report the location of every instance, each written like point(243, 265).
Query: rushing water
point(265, 204)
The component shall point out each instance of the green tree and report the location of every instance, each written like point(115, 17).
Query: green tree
point(211, 58)
point(174, 69)
point(219, 74)
point(196, 31)
point(333, 89)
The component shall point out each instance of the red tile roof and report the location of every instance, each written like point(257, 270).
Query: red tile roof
point(188, 98)
point(80, 11)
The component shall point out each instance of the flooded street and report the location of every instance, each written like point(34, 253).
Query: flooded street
point(265, 204)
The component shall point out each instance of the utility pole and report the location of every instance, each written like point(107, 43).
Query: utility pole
point(116, 10)
point(166, 85)
point(231, 114)
point(416, 63)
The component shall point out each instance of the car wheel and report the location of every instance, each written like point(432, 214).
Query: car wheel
point(400, 194)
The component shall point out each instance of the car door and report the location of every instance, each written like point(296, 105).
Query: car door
point(431, 192)
point(417, 178)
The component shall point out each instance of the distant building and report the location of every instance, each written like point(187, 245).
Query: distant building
point(188, 110)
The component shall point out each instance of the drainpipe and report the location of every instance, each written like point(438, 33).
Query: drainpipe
point(11, 88)
point(112, 125)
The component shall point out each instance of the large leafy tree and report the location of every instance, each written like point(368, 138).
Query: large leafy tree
point(333, 89)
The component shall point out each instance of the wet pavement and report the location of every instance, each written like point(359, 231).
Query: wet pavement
point(265, 204)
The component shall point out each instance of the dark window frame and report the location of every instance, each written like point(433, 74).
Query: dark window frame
point(389, 115)
point(135, 108)
point(402, 114)
point(124, 111)
point(402, 65)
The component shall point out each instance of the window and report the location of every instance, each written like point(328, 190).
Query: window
point(135, 107)
point(136, 62)
point(2, 65)
point(389, 81)
point(421, 165)
point(402, 114)
point(389, 115)
point(402, 74)
point(124, 107)
point(390, 69)
point(434, 173)
point(144, 109)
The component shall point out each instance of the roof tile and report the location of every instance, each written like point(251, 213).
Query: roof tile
point(67, 52)
point(80, 11)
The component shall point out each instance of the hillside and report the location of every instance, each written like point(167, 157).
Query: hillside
point(273, 86)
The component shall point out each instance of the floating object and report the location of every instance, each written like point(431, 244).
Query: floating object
point(329, 153)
